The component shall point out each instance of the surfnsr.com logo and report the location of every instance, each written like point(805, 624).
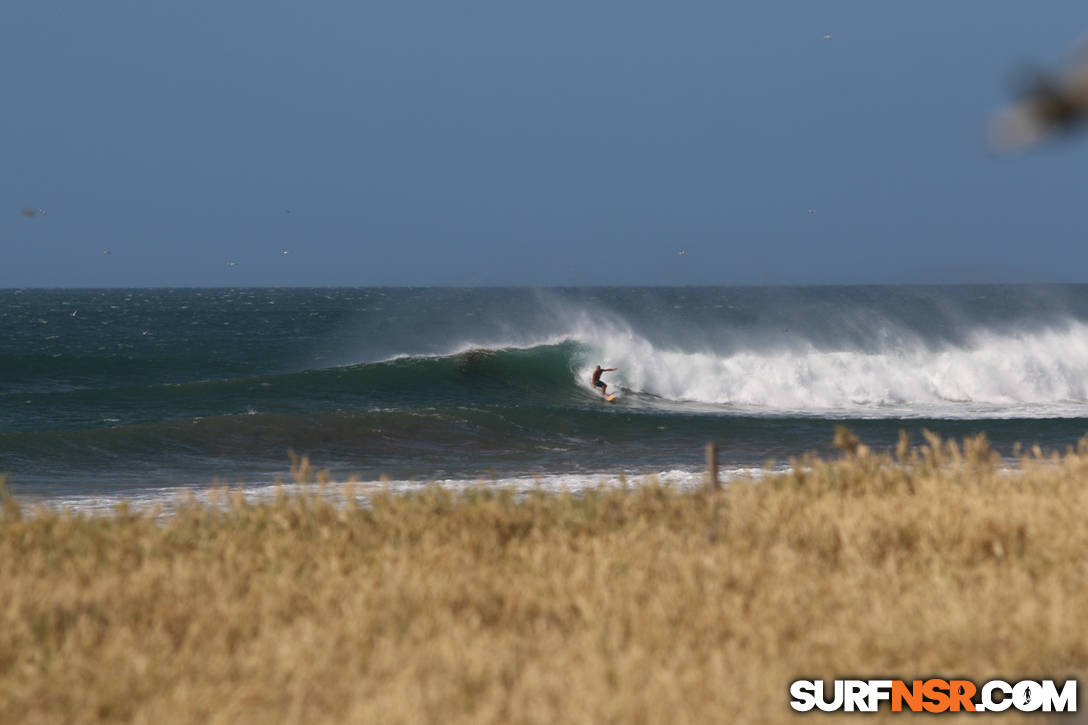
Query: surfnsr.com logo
point(933, 695)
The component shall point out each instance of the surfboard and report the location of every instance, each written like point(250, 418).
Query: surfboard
point(612, 398)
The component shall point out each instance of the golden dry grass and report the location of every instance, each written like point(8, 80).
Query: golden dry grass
point(618, 606)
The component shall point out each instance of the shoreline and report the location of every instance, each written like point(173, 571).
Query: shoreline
point(362, 491)
point(303, 477)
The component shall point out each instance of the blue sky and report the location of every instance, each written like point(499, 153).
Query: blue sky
point(498, 142)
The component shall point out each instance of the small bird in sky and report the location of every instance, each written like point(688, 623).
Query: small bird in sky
point(105, 251)
point(284, 251)
point(232, 263)
point(811, 211)
point(827, 36)
point(683, 252)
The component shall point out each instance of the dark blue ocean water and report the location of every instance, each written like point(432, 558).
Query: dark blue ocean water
point(107, 392)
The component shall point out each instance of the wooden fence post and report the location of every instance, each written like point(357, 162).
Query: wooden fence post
point(712, 466)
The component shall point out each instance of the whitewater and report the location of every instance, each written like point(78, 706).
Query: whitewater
point(893, 372)
point(1037, 374)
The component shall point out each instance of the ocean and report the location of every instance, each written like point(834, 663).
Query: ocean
point(145, 393)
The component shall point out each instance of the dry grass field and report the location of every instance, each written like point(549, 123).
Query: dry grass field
point(640, 605)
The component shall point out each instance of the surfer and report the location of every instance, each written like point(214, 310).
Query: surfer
point(598, 383)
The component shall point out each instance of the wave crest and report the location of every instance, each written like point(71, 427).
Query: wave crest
point(1038, 373)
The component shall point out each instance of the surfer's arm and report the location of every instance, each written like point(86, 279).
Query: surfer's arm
point(607, 370)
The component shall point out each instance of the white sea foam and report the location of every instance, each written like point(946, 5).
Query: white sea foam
point(1018, 374)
